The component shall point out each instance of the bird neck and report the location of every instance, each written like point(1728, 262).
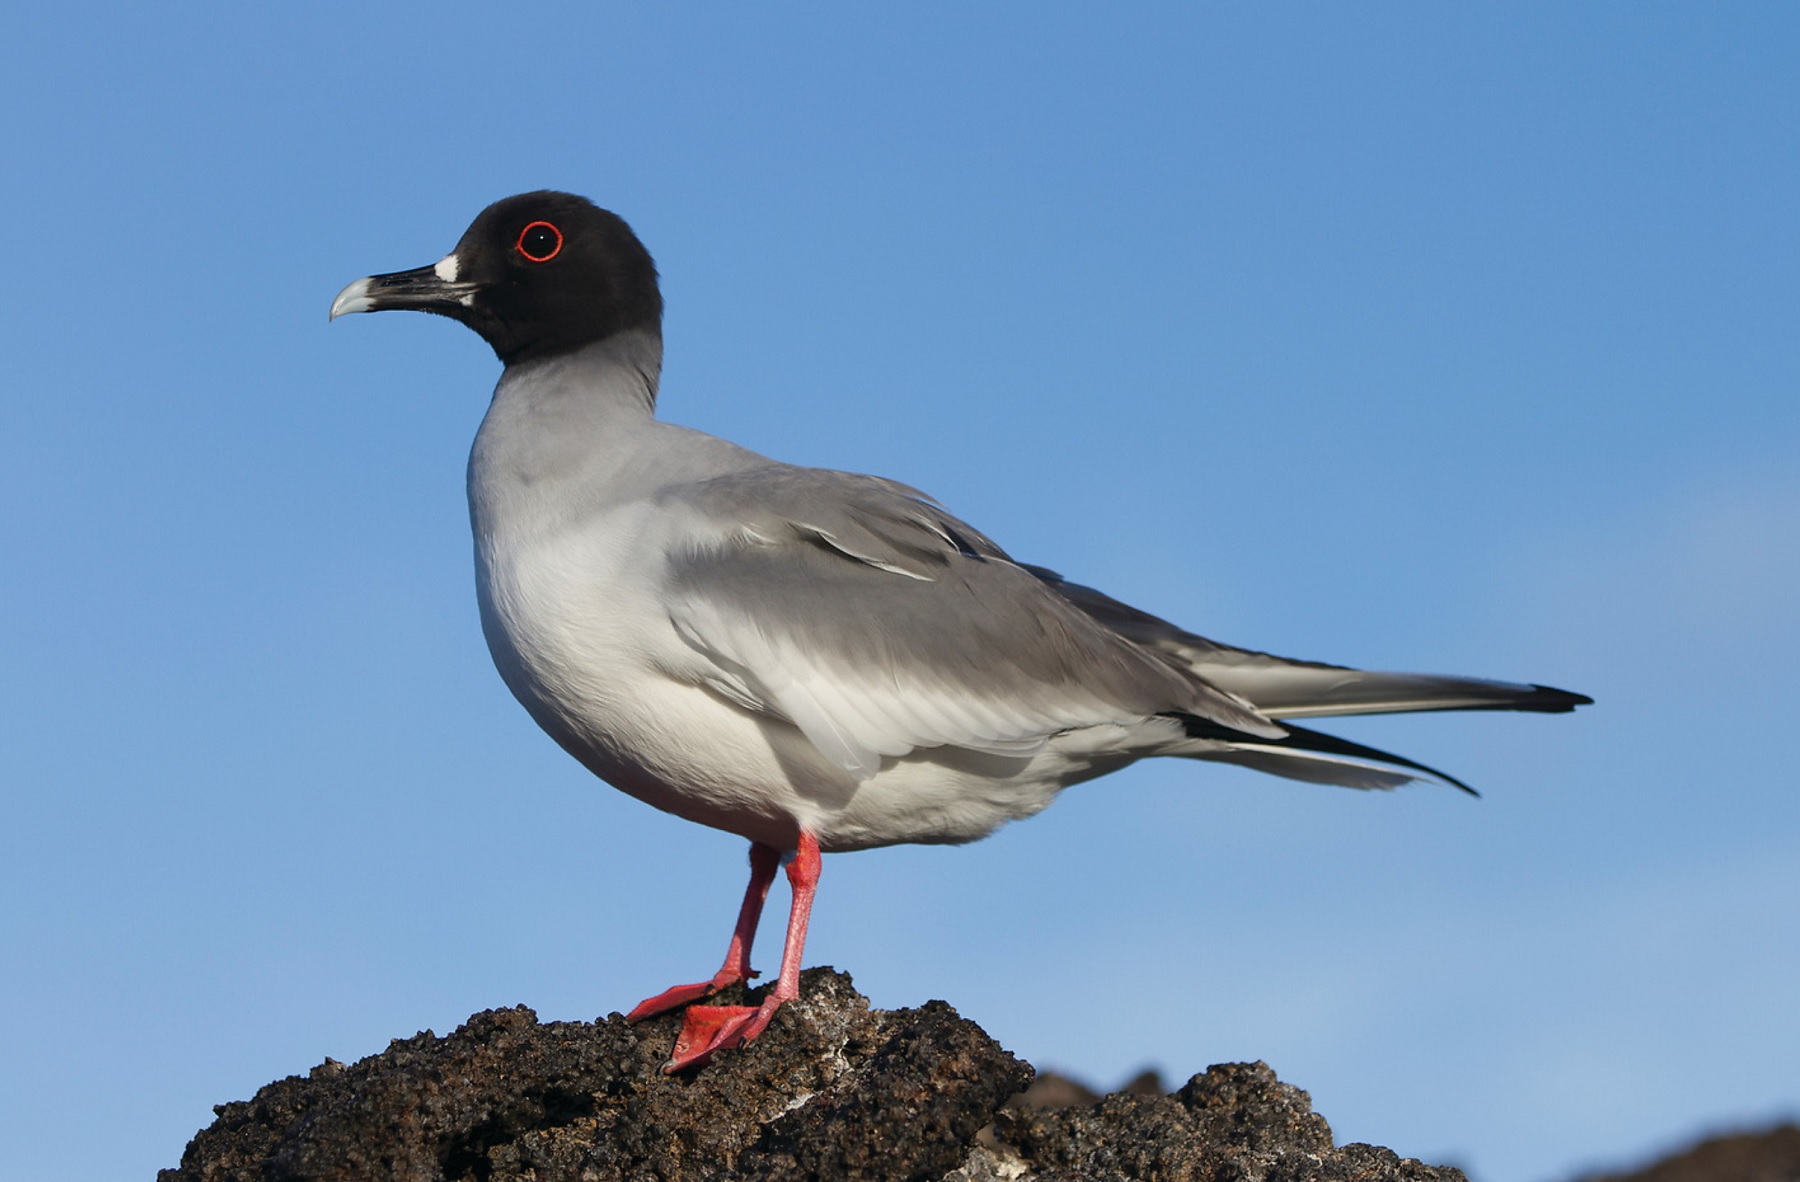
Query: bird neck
point(560, 431)
point(623, 371)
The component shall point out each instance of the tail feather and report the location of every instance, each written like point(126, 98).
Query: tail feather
point(1283, 689)
point(1314, 756)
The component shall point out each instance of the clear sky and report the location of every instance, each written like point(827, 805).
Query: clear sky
point(1450, 338)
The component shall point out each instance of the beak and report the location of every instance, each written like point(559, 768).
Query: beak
point(426, 289)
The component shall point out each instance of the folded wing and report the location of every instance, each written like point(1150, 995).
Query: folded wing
point(868, 617)
point(1281, 687)
point(861, 612)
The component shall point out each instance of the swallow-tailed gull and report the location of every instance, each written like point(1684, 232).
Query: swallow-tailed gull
point(814, 660)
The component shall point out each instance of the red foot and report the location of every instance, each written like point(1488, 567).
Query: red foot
point(763, 861)
point(677, 996)
point(707, 1030)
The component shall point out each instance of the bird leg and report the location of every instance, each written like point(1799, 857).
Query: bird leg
point(707, 1030)
point(763, 861)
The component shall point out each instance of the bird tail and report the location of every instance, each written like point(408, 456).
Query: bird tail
point(1282, 688)
point(1309, 755)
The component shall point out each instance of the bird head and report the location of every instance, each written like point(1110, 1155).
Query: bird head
point(535, 275)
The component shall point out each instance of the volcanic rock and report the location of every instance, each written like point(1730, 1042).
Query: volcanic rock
point(832, 1091)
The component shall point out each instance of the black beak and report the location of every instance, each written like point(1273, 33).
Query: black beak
point(425, 289)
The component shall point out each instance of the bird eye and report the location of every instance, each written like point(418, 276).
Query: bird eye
point(540, 242)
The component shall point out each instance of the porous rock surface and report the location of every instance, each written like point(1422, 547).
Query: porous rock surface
point(831, 1091)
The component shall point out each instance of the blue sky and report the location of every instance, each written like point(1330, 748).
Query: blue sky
point(1446, 338)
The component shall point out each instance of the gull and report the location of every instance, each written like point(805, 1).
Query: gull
point(815, 660)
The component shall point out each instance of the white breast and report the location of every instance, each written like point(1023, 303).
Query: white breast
point(568, 558)
point(570, 546)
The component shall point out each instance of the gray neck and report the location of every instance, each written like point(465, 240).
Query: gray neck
point(625, 368)
point(562, 424)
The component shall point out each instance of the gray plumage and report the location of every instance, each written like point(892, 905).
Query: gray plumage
point(774, 649)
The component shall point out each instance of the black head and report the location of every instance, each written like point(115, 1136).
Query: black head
point(536, 275)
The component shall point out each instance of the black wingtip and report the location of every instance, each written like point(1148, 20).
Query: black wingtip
point(1530, 699)
point(1547, 699)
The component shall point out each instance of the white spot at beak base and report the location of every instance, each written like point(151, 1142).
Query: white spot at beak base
point(446, 268)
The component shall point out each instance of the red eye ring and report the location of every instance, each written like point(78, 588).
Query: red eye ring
point(541, 255)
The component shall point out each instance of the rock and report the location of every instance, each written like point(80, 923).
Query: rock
point(832, 1090)
point(1772, 1155)
point(1236, 1121)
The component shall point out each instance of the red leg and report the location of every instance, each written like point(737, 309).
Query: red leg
point(763, 861)
point(707, 1030)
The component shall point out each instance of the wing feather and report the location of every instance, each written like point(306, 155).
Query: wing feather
point(868, 617)
point(1282, 687)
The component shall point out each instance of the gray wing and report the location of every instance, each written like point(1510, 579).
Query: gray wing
point(874, 621)
point(1284, 688)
